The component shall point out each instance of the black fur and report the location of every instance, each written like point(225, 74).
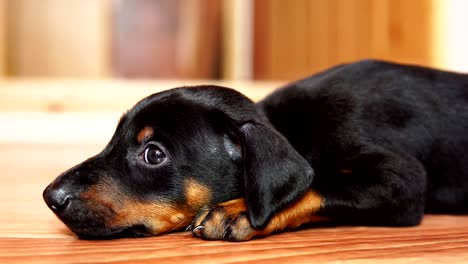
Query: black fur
point(381, 142)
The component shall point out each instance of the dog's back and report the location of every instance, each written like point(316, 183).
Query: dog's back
point(407, 110)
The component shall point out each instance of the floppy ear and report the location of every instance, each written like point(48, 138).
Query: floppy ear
point(275, 174)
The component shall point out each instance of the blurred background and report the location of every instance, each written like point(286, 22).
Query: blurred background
point(224, 39)
point(97, 56)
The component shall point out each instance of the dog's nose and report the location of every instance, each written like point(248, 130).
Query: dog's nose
point(56, 198)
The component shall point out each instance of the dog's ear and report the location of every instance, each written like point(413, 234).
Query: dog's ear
point(275, 174)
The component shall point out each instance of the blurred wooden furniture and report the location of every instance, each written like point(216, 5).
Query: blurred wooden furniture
point(284, 40)
point(166, 38)
point(57, 38)
point(295, 38)
point(52, 129)
point(88, 38)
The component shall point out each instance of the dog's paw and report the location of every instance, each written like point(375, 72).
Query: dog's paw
point(225, 221)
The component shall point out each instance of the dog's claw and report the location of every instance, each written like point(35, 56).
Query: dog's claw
point(197, 231)
point(189, 228)
point(227, 233)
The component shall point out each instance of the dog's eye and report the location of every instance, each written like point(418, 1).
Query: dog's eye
point(154, 155)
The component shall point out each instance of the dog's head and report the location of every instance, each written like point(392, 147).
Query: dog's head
point(174, 153)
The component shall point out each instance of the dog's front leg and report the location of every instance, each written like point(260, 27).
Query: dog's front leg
point(229, 220)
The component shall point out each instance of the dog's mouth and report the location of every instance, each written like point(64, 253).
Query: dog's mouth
point(92, 225)
point(135, 231)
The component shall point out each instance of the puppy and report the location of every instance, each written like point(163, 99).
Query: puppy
point(367, 143)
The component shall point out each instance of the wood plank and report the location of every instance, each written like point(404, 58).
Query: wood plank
point(2, 38)
point(207, 56)
point(346, 29)
point(289, 40)
point(410, 34)
point(363, 28)
point(380, 43)
point(319, 31)
point(280, 30)
point(167, 39)
point(237, 39)
point(262, 40)
point(30, 233)
point(58, 38)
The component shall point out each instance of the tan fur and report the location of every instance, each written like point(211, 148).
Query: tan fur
point(145, 133)
point(197, 194)
point(301, 212)
point(158, 217)
point(120, 210)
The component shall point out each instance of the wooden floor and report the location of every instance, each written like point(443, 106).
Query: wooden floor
point(30, 233)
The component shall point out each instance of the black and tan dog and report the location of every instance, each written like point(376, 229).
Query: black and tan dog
point(368, 143)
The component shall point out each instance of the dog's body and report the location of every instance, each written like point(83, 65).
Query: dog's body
point(368, 143)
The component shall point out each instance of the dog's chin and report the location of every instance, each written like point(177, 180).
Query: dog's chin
point(135, 231)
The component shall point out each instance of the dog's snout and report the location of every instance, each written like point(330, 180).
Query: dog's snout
point(56, 198)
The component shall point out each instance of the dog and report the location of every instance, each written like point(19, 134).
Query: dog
point(370, 143)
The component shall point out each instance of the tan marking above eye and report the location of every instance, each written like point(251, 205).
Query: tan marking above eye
point(145, 133)
point(197, 194)
point(346, 171)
